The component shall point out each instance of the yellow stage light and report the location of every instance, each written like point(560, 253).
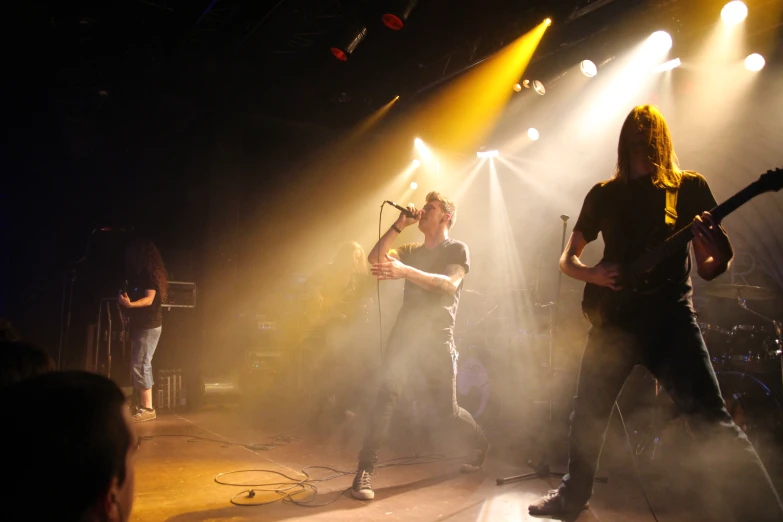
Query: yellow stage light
point(734, 12)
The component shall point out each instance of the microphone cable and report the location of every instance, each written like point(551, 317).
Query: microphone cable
point(378, 286)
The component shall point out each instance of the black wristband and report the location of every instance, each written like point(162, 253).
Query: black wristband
point(397, 229)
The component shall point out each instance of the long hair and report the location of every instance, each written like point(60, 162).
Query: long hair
point(352, 254)
point(661, 149)
point(142, 255)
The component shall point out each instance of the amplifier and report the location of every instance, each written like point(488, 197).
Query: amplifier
point(182, 294)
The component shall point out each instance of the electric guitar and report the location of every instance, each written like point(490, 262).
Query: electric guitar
point(603, 306)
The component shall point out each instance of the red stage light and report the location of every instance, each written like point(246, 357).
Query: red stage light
point(392, 21)
point(339, 54)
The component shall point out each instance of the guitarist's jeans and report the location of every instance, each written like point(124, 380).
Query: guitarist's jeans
point(428, 366)
point(672, 348)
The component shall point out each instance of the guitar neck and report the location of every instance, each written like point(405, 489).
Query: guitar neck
point(680, 239)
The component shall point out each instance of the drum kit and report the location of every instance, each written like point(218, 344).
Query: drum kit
point(744, 347)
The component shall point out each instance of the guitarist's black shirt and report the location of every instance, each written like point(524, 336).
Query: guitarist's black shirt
point(630, 216)
point(146, 317)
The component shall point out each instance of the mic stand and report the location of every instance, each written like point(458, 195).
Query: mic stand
point(65, 311)
point(541, 469)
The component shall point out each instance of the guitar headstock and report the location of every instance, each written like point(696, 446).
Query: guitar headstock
point(771, 181)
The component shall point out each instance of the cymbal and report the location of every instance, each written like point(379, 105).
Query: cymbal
point(750, 293)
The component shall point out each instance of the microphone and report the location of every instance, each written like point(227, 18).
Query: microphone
point(400, 208)
point(564, 217)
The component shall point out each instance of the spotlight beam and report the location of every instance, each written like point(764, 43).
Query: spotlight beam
point(465, 112)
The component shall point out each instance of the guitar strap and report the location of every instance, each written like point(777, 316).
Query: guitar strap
point(671, 208)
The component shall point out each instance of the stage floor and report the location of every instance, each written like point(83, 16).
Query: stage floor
point(175, 480)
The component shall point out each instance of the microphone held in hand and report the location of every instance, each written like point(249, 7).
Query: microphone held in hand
point(400, 208)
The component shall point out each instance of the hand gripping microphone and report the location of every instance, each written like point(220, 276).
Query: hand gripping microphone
point(400, 208)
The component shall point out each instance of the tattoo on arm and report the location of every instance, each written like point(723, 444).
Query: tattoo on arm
point(454, 273)
point(441, 284)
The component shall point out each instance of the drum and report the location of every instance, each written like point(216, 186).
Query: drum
point(473, 380)
point(718, 340)
point(753, 349)
point(755, 405)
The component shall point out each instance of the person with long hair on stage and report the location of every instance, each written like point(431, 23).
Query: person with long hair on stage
point(338, 355)
point(422, 339)
point(148, 289)
point(649, 198)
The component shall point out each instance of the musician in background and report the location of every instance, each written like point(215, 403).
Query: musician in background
point(662, 333)
point(340, 297)
point(148, 288)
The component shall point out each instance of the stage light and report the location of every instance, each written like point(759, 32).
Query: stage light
point(423, 151)
point(734, 12)
point(487, 154)
point(660, 41)
point(414, 185)
point(548, 22)
point(668, 66)
point(415, 164)
point(397, 13)
point(532, 133)
point(349, 43)
point(754, 62)
point(588, 68)
point(517, 87)
point(539, 87)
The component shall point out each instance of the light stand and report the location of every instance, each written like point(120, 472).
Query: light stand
point(541, 469)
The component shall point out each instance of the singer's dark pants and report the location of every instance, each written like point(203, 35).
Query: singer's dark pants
point(672, 348)
point(413, 358)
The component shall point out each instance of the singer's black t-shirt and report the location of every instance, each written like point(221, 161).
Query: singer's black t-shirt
point(431, 314)
point(147, 317)
point(631, 218)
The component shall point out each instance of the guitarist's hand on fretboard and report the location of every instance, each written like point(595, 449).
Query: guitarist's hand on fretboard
point(711, 246)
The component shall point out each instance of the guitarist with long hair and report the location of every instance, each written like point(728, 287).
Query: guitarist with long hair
point(647, 200)
point(148, 290)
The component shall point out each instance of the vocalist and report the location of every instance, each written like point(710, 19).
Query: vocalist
point(422, 339)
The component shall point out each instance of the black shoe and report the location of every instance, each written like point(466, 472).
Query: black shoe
point(476, 457)
point(553, 504)
point(362, 486)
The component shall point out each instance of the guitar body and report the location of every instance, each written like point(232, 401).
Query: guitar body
point(603, 306)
